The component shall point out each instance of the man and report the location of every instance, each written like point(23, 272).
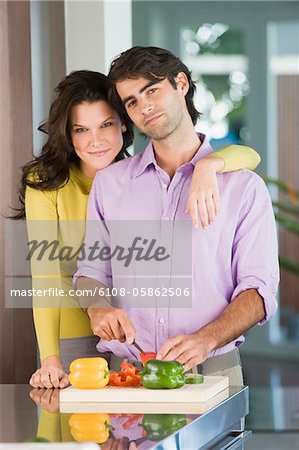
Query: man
point(235, 268)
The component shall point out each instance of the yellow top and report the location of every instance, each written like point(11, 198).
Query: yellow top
point(61, 214)
point(237, 157)
point(59, 317)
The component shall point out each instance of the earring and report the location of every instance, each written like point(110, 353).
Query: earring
point(123, 128)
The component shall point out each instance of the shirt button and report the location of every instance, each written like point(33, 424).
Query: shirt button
point(167, 219)
point(161, 320)
point(164, 186)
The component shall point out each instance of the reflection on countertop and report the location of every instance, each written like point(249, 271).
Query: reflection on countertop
point(27, 413)
point(273, 416)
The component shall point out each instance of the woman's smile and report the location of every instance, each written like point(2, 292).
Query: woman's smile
point(99, 153)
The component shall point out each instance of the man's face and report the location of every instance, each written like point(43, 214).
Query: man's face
point(155, 107)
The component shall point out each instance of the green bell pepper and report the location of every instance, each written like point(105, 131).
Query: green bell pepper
point(159, 426)
point(163, 374)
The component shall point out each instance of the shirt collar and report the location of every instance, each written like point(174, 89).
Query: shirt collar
point(204, 150)
point(148, 156)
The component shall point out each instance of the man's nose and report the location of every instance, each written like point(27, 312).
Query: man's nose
point(147, 107)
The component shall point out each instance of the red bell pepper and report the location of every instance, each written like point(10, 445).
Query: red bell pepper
point(146, 356)
point(129, 369)
point(128, 376)
point(131, 420)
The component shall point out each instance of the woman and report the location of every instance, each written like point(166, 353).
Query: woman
point(86, 134)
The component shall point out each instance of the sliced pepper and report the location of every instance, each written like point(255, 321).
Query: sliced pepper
point(163, 374)
point(117, 379)
point(89, 373)
point(194, 378)
point(129, 369)
point(128, 376)
point(131, 420)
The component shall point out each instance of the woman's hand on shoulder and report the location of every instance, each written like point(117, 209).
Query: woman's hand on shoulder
point(204, 200)
point(50, 375)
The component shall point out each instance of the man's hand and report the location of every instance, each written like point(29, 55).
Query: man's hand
point(111, 323)
point(188, 349)
point(239, 316)
point(106, 322)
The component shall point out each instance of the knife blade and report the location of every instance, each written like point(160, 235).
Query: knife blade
point(138, 347)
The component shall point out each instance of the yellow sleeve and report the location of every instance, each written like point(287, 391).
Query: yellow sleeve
point(49, 426)
point(54, 426)
point(237, 157)
point(41, 217)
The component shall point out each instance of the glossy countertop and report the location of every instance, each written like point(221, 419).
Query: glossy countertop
point(27, 413)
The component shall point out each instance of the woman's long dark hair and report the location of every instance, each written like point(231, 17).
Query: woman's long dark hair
point(50, 170)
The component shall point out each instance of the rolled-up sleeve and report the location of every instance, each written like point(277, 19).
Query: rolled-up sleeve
point(255, 250)
point(90, 264)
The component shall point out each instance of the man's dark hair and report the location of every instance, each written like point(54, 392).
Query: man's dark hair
point(151, 63)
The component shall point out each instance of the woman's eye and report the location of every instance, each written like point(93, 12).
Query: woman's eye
point(107, 125)
point(80, 130)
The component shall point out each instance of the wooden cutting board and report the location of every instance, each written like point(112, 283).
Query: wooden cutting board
point(144, 408)
point(190, 393)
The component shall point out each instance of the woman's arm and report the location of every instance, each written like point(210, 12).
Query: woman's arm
point(41, 218)
point(204, 200)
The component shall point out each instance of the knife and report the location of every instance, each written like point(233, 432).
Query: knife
point(138, 347)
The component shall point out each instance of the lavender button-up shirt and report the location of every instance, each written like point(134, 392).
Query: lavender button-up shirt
point(237, 252)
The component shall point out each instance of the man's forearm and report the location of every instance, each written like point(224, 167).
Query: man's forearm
point(241, 314)
point(92, 293)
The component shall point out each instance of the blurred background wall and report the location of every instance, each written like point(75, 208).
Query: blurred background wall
point(17, 342)
point(244, 59)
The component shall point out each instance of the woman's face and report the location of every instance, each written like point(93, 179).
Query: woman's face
point(96, 133)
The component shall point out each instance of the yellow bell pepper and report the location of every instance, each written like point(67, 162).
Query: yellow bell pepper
point(90, 427)
point(89, 373)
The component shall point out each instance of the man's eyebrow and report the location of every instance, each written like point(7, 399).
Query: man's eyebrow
point(126, 99)
point(147, 85)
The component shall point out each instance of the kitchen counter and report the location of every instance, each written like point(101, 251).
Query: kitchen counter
point(216, 424)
